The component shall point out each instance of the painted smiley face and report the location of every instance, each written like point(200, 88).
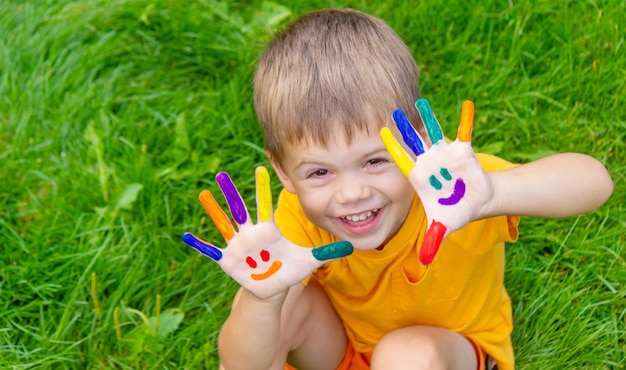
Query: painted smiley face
point(457, 194)
point(265, 257)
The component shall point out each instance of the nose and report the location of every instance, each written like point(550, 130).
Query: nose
point(351, 189)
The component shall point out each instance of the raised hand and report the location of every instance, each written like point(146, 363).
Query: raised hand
point(258, 257)
point(448, 178)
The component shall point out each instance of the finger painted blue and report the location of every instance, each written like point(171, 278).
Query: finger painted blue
point(409, 135)
point(233, 198)
point(333, 251)
point(208, 250)
point(430, 121)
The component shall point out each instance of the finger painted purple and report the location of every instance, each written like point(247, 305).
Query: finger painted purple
point(409, 135)
point(208, 250)
point(233, 198)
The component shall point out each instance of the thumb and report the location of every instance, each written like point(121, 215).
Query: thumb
point(432, 241)
point(332, 251)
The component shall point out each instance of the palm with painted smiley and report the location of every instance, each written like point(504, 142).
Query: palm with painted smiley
point(448, 178)
point(258, 257)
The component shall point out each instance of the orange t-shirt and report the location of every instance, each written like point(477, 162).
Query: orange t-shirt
point(375, 292)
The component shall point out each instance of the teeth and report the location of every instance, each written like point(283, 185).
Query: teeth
point(360, 217)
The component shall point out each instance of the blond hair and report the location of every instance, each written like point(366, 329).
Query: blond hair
point(330, 72)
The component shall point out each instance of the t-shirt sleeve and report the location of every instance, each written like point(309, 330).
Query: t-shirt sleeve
point(295, 226)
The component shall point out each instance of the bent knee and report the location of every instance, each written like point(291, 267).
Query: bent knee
point(410, 348)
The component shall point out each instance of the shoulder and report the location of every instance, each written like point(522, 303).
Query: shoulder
point(491, 162)
point(295, 226)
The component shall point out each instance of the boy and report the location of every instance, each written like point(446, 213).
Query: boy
point(323, 90)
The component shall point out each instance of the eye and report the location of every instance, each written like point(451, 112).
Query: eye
point(318, 173)
point(377, 161)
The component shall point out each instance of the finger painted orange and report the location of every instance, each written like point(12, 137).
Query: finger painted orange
point(467, 122)
point(218, 216)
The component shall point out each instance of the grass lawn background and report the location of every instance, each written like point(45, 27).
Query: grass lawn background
point(114, 115)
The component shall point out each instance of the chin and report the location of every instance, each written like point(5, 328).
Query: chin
point(366, 245)
point(363, 248)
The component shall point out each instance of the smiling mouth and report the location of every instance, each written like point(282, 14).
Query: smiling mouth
point(359, 217)
point(276, 265)
point(456, 196)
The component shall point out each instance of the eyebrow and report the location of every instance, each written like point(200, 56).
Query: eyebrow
point(325, 164)
point(307, 162)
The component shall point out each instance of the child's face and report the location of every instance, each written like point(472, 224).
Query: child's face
point(354, 191)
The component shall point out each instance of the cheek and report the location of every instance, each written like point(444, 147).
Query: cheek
point(401, 196)
point(407, 190)
point(396, 186)
point(314, 205)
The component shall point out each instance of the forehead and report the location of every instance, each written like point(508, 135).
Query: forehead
point(339, 130)
point(336, 149)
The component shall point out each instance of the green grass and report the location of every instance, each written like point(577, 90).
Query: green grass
point(115, 114)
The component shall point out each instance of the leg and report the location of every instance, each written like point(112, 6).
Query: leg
point(311, 336)
point(314, 331)
point(424, 347)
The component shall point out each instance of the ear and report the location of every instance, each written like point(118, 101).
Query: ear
point(282, 176)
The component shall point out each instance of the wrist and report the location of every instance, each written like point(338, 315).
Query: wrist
point(493, 207)
point(276, 299)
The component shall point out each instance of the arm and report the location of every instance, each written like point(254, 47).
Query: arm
point(556, 186)
point(267, 266)
point(251, 333)
point(455, 190)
